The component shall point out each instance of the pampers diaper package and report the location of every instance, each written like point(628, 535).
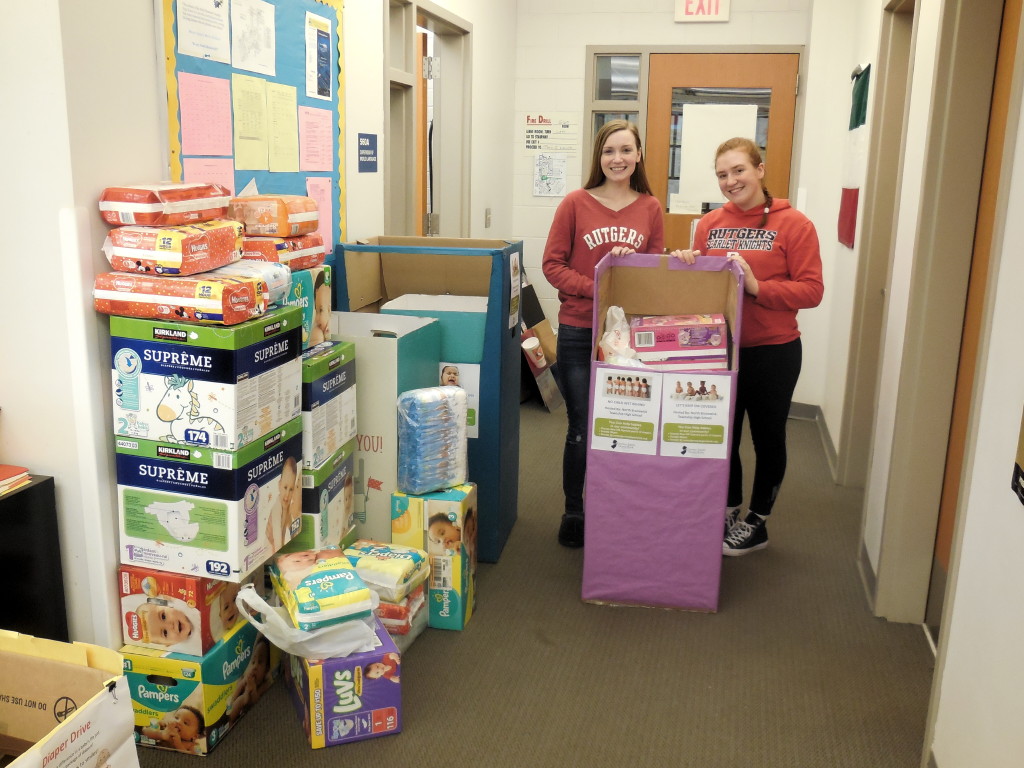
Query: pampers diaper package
point(189, 703)
point(275, 215)
point(173, 612)
point(205, 385)
point(328, 400)
point(444, 524)
point(328, 509)
point(182, 250)
point(390, 570)
point(205, 298)
point(220, 514)
point(166, 204)
point(349, 698)
point(431, 439)
point(295, 252)
point(320, 588)
point(311, 292)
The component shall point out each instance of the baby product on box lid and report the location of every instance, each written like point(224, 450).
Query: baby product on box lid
point(221, 387)
point(390, 570)
point(320, 588)
point(165, 204)
point(169, 611)
point(180, 250)
point(297, 252)
point(657, 337)
point(277, 278)
point(275, 215)
point(206, 298)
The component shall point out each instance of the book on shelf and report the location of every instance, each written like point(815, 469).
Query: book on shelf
point(12, 476)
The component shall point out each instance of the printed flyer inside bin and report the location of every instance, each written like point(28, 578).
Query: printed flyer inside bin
point(627, 406)
point(695, 415)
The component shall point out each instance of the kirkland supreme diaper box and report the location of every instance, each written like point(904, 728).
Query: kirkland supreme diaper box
point(63, 705)
point(328, 400)
point(462, 320)
point(655, 454)
point(370, 274)
point(205, 385)
point(311, 292)
point(188, 703)
point(209, 513)
point(174, 612)
point(396, 353)
point(444, 524)
point(328, 503)
point(349, 698)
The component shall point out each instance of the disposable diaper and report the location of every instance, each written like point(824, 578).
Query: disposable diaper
point(207, 298)
point(166, 204)
point(301, 252)
point(181, 250)
point(277, 277)
point(390, 570)
point(320, 588)
point(275, 215)
point(431, 439)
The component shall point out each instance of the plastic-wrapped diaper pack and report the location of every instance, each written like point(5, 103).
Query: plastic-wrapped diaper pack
point(398, 617)
point(275, 215)
point(205, 298)
point(179, 250)
point(276, 277)
point(390, 570)
point(163, 205)
point(431, 439)
point(320, 588)
point(301, 252)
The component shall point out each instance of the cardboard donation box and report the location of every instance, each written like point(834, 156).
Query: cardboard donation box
point(659, 444)
point(396, 354)
point(446, 278)
point(63, 705)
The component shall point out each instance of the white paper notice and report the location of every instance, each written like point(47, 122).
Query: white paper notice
point(695, 415)
point(676, 204)
point(203, 30)
point(319, 80)
point(467, 376)
point(549, 175)
point(253, 39)
point(627, 405)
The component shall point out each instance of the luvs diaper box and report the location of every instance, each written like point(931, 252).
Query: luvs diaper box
point(216, 514)
point(328, 509)
point(173, 612)
point(328, 400)
point(188, 703)
point(444, 524)
point(208, 386)
point(349, 698)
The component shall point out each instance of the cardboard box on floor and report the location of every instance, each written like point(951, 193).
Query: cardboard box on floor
point(370, 273)
point(63, 705)
point(659, 457)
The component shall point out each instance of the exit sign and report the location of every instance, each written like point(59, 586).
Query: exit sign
point(702, 10)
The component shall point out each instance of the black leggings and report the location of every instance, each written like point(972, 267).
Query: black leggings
point(764, 392)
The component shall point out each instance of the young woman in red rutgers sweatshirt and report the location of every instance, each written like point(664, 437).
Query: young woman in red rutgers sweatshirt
point(776, 246)
point(615, 213)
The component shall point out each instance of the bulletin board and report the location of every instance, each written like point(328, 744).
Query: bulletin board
point(255, 100)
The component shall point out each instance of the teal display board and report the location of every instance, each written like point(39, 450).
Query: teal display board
point(255, 100)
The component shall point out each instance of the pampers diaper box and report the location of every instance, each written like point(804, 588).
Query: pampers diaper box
point(328, 509)
point(328, 400)
point(444, 523)
point(173, 612)
point(189, 703)
point(217, 514)
point(349, 698)
point(210, 386)
point(312, 293)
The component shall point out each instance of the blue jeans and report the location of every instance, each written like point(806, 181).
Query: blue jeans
point(574, 355)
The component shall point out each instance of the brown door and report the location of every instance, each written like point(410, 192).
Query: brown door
point(767, 81)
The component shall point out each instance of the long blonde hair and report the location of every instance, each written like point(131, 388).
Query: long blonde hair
point(754, 155)
point(638, 181)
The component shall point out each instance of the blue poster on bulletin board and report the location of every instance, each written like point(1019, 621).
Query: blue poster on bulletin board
point(255, 101)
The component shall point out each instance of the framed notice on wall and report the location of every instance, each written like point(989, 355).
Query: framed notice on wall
point(255, 101)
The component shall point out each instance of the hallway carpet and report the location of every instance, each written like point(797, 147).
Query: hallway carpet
point(792, 672)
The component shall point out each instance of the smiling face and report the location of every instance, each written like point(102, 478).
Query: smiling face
point(165, 625)
point(619, 156)
point(739, 179)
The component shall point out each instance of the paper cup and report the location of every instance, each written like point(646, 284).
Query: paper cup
point(535, 351)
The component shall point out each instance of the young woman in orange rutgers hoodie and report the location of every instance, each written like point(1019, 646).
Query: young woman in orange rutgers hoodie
point(777, 249)
point(615, 213)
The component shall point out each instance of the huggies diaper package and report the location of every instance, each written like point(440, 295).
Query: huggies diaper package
point(173, 612)
point(311, 292)
point(219, 387)
point(320, 588)
point(348, 698)
point(443, 523)
point(297, 253)
point(390, 570)
point(277, 278)
point(181, 250)
point(162, 205)
point(328, 400)
point(219, 514)
point(432, 445)
point(275, 215)
point(206, 298)
point(328, 513)
point(189, 703)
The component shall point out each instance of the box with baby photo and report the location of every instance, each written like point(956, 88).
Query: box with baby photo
point(349, 698)
point(443, 523)
point(187, 703)
point(311, 292)
point(328, 510)
point(328, 400)
point(174, 612)
point(208, 513)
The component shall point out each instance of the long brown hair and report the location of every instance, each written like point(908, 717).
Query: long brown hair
point(754, 155)
point(638, 181)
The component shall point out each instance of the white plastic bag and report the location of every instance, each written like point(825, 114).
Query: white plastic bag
point(615, 340)
point(329, 642)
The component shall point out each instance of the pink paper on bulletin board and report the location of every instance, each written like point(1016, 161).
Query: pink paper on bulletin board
point(205, 114)
point(316, 143)
point(319, 188)
point(216, 170)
